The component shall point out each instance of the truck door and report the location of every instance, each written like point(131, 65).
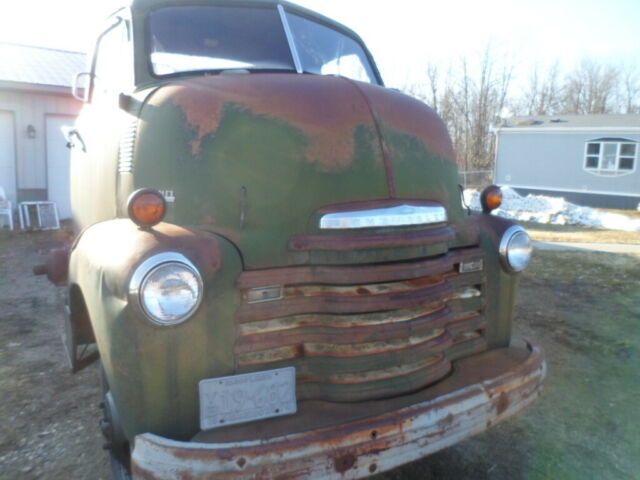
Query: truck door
point(95, 155)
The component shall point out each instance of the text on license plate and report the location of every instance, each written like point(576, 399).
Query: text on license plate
point(247, 397)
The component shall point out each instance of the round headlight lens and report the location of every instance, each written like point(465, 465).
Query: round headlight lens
point(516, 249)
point(170, 293)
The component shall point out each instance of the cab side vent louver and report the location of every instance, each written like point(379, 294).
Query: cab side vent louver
point(127, 143)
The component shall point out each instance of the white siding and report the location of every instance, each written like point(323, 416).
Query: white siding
point(7, 156)
point(555, 161)
point(32, 109)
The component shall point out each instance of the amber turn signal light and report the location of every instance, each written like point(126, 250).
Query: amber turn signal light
point(491, 198)
point(146, 207)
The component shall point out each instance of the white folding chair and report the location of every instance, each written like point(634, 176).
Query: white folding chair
point(6, 208)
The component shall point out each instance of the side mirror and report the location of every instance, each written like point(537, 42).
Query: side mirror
point(78, 90)
point(69, 133)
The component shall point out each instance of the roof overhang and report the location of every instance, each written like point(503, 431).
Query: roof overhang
point(565, 130)
point(35, 88)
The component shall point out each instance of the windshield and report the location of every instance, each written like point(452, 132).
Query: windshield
point(213, 38)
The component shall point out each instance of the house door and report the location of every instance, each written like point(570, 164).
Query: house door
point(8, 156)
point(58, 163)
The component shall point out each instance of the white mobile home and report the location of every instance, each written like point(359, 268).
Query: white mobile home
point(587, 159)
point(35, 104)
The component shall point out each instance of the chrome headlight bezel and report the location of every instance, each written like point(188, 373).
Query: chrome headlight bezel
point(505, 243)
point(146, 269)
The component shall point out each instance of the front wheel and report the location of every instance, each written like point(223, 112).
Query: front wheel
point(116, 444)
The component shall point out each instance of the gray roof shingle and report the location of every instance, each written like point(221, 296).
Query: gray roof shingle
point(39, 65)
point(560, 121)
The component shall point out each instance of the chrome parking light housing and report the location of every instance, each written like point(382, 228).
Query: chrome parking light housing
point(515, 249)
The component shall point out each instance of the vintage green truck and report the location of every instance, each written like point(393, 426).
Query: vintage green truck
point(273, 258)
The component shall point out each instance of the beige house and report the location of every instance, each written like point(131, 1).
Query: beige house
point(36, 105)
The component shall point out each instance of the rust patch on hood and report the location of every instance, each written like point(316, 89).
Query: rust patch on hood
point(326, 109)
point(410, 116)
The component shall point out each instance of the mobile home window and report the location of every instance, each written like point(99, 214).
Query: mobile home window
point(611, 157)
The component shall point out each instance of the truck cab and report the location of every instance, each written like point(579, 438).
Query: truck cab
point(272, 255)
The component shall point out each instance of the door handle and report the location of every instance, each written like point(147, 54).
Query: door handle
point(71, 144)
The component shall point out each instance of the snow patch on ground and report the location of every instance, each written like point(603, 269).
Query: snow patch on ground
point(556, 211)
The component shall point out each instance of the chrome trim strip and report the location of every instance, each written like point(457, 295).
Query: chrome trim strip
point(149, 265)
point(292, 43)
point(399, 216)
point(470, 266)
point(261, 294)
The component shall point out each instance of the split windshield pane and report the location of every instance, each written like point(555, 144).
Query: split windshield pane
point(196, 38)
point(326, 51)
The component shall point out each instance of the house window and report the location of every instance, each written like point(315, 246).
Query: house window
point(611, 156)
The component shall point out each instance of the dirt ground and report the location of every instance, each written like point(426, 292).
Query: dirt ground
point(583, 308)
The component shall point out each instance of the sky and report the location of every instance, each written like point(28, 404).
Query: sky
point(403, 35)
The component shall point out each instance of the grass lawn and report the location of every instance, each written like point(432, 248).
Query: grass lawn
point(577, 233)
point(585, 309)
point(628, 213)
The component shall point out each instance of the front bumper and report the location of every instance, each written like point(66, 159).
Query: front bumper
point(481, 391)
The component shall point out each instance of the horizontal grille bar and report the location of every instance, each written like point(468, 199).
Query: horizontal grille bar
point(351, 336)
point(323, 360)
point(468, 344)
point(381, 374)
point(344, 304)
point(352, 275)
point(385, 319)
point(379, 240)
point(384, 383)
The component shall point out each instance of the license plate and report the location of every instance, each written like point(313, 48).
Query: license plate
point(247, 397)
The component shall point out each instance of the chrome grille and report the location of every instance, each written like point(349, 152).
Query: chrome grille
point(371, 339)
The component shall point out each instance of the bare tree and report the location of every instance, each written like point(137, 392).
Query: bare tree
point(543, 93)
point(629, 90)
point(433, 75)
point(481, 96)
point(590, 88)
point(468, 96)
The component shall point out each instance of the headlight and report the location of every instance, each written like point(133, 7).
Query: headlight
point(515, 249)
point(168, 288)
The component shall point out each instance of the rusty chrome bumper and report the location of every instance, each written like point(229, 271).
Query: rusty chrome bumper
point(483, 390)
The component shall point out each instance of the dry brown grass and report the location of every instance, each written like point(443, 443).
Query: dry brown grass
point(628, 213)
point(581, 234)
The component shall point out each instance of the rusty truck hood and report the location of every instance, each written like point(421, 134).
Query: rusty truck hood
point(255, 157)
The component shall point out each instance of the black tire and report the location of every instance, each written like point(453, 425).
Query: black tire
point(118, 470)
point(117, 447)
